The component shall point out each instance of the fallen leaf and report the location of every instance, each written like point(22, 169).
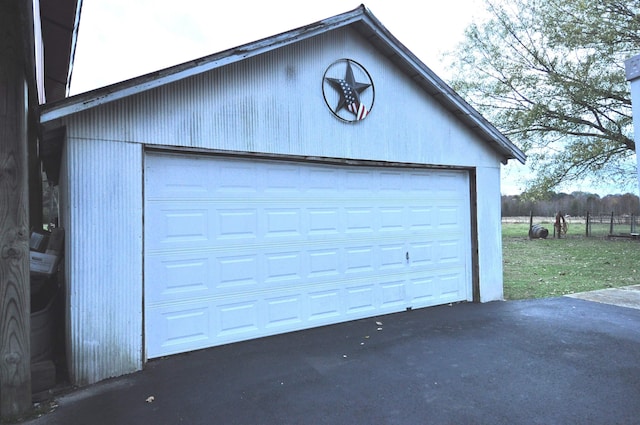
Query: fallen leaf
point(379, 329)
point(150, 399)
point(379, 323)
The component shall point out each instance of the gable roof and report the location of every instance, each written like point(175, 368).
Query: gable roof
point(360, 19)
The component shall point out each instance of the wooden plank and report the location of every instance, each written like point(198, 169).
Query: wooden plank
point(15, 368)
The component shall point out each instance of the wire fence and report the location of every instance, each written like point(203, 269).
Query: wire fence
point(591, 225)
point(611, 225)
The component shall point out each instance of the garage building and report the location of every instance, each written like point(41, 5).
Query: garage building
point(318, 176)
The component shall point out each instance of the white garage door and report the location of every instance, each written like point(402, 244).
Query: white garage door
point(243, 248)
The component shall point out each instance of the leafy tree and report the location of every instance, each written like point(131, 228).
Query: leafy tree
point(550, 75)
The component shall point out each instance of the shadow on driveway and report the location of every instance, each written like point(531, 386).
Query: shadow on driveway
point(550, 361)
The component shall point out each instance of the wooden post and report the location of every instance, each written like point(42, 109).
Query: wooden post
point(586, 231)
point(611, 225)
point(15, 361)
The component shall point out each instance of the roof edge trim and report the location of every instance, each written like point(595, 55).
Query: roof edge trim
point(74, 44)
point(90, 99)
point(450, 96)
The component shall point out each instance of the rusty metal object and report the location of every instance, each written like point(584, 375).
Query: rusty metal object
point(560, 227)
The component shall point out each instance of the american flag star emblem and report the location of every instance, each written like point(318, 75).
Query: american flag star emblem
point(349, 91)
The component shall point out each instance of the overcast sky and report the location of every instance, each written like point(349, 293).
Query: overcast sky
point(121, 39)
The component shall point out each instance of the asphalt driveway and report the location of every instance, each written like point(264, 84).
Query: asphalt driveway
point(552, 361)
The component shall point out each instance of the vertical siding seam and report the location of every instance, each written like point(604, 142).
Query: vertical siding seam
point(105, 257)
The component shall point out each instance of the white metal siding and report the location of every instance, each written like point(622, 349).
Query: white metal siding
point(489, 235)
point(273, 103)
point(238, 249)
point(102, 216)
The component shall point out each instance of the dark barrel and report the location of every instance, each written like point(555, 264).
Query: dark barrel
point(538, 232)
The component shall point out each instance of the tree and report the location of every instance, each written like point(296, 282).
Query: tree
point(550, 75)
point(576, 203)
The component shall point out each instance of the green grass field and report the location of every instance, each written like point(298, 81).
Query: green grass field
point(550, 267)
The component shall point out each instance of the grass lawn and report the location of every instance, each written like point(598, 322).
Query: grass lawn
point(550, 267)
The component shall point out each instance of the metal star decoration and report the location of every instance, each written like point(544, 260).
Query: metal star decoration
point(349, 90)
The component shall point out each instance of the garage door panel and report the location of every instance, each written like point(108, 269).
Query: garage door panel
point(177, 329)
point(450, 251)
point(449, 217)
point(392, 218)
point(238, 318)
point(421, 291)
point(448, 183)
point(179, 277)
point(324, 305)
point(232, 179)
point(429, 289)
point(323, 221)
point(450, 286)
point(392, 181)
point(360, 219)
point(323, 263)
point(254, 248)
point(393, 294)
point(420, 218)
point(393, 256)
point(174, 225)
point(283, 222)
point(282, 179)
point(187, 182)
point(422, 254)
point(237, 223)
point(359, 259)
point(180, 224)
point(283, 267)
point(321, 180)
point(360, 299)
point(284, 311)
point(359, 181)
point(236, 272)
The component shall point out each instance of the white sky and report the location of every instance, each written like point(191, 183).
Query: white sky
point(122, 39)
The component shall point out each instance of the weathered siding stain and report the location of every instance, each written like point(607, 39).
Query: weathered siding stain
point(103, 219)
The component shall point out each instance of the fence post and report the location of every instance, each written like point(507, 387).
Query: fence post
point(586, 227)
point(611, 225)
point(530, 223)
